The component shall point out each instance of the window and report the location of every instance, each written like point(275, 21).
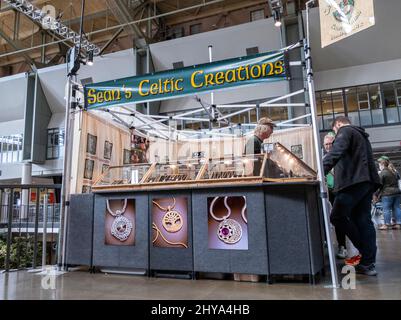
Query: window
point(367, 105)
point(257, 14)
point(11, 148)
point(252, 51)
point(390, 102)
point(195, 28)
point(55, 141)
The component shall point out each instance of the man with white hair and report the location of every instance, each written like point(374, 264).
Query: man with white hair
point(263, 130)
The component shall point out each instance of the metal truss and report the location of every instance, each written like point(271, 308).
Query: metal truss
point(55, 26)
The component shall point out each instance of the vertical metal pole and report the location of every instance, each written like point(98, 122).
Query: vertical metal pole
point(35, 238)
point(10, 197)
point(211, 94)
point(44, 240)
point(43, 51)
point(66, 178)
point(316, 137)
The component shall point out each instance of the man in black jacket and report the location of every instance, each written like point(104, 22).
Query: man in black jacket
point(355, 180)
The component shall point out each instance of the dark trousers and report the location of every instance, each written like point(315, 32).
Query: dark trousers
point(351, 216)
point(340, 235)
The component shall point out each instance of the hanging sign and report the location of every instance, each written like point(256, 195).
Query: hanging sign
point(340, 19)
point(192, 80)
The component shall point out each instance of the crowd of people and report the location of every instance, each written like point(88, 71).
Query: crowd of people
point(355, 183)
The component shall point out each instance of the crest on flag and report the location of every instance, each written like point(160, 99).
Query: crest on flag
point(340, 19)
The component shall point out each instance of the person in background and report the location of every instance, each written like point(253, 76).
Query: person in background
point(389, 193)
point(342, 248)
point(263, 130)
point(356, 179)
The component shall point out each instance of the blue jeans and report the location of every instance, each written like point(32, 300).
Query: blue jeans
point(392, 204)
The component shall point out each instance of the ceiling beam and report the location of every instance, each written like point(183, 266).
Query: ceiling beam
point(57, 28)
point(123, 15)
point(17, 46)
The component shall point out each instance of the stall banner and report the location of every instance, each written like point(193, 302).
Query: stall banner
point(260, 68)
point(340, 19)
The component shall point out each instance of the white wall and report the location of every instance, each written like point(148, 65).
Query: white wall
point(12, 97)
point(358, 75)
point(11, 127)
point(381, 137)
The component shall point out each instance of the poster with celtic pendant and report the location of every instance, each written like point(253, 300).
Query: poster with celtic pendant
point(227, 223)
point(170, 222)
point(120, 222)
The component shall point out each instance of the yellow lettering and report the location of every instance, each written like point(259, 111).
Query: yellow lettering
point(176, 87)
point(107, 96)
point(247, 72)
point(279, 68)
point(128, 94)
point(209, 79)
point(219, 78)
point(259, 71)
point(91, 96)
point(193, 76)
point(240, 69)
point(271, 69)
point(233, 78)
point(100, 97)
point(140, 91)
point(153, 88)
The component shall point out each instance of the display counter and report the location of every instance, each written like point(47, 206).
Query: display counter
point(256, 214)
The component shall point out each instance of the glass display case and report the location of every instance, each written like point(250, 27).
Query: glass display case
point(246, 166)
point(277, 164)
point(123, 175)
point(179, 171)
point(283, 164)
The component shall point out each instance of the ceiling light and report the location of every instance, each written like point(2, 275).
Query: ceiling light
point(277, 18)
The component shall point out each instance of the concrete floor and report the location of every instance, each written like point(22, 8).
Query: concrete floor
point(83, 285)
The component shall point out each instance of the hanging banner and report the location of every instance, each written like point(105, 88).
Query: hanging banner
point(192, 80)
point(340, 19)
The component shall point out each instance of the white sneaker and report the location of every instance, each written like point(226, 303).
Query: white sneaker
point(342, 253)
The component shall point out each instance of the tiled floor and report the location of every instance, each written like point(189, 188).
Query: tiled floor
point(83, 285)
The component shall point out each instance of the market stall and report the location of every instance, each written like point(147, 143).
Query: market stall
point(254, 214)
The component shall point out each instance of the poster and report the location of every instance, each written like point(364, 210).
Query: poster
point(170, 222)
point(340, 19)
point(102, 145)
point(139, 149)
point(227, 223)
point(120, 222)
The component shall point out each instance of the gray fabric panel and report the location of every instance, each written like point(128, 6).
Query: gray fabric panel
point(121, 256)
point(314, 228)
point(80, 230)
point(179, 259)
point(251, 261)
point(287, 230)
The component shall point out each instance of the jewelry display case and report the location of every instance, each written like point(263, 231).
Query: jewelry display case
point(235, 168)
point(278, 164)
point(115, 177)
point(175, 172)
point(282, 165)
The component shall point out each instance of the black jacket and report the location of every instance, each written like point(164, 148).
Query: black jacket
point(352, 159)
point(389, 182)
